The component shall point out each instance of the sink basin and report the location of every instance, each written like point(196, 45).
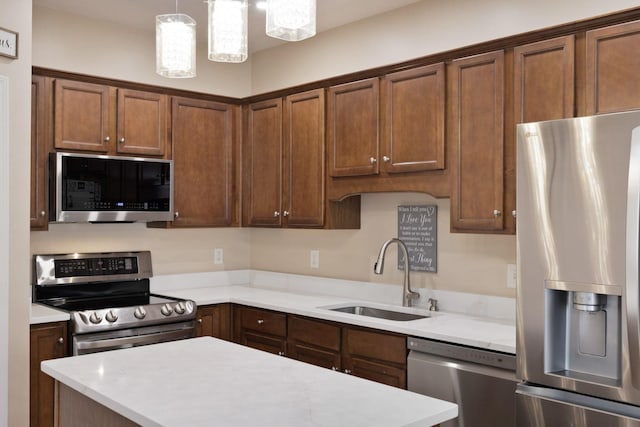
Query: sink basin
point(379, 313)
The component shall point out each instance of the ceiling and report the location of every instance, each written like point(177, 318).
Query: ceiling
point(141, 14)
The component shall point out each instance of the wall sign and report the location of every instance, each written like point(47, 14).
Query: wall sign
point(8, 43)
point(418, 229)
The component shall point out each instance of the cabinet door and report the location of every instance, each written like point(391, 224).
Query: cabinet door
point(377, 356)
point(48, 341)
point(613, 69)
point(544, 80)
point(413, 126)
point(203, 159)
point(82, 116)
point(263, 164)
point(314, 341)
point(304, 164)
point(476, 123)
point(39, 152)
point(353, 137)
point(214, 321)
point(143, 126)
point(262, 329)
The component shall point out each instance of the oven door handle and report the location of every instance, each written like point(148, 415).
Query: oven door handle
point(87, 345)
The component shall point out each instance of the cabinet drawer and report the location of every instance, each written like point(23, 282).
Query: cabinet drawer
point(375, 345)
point(320, 334)
point(263, 321)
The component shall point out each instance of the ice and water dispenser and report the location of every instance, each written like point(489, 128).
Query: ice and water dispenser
point(582, 332)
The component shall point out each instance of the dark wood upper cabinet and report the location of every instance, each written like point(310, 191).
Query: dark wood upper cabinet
point(544, 80)
point(304, 159)
point(413, 120)
point(105, 119)
point(204, 156)
point(613, 69)
point(263, 164)
point(40, 141)
point(82, 117)
point(476, 139)
point(353, 128)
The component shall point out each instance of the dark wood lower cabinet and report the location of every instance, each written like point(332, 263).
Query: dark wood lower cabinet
point(214, 321)
point(47, 341)
point(314, 342)
point(261, 329)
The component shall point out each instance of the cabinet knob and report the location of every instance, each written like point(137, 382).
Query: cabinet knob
point(121, 140)
point(60, 340)
point(199, 320)
point(497, 213)
point(276, 214)
point(285, 213)
point(260, 321)
point(176, 214)
point(107, 139)
point(347, 371)
point(514, 213)
point(373, 160)
point(42, 213)
point(281, 353)
point(386, 159)
point(333, 368)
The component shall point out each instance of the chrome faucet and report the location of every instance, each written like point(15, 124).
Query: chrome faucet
point(407, 294)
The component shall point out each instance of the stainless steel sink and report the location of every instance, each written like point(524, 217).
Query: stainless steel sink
point(379, 313)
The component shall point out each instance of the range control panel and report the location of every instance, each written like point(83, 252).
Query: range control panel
point(91, 267)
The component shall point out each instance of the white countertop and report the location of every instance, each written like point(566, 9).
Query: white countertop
point(206, 381)
point(475, 320)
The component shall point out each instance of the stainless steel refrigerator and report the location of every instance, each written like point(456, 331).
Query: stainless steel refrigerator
point(578, 325)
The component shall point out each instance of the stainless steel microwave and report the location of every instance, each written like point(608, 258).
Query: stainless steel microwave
point(97, 188)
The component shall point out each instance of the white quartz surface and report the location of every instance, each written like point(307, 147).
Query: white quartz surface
point(43, 314)
point(206, 381)
point(475, 331)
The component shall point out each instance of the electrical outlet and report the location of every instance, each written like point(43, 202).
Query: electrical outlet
point(218, 256)
point(512, 275)
point(314, 259)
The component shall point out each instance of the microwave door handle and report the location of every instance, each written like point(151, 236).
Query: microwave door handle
point(632, 259)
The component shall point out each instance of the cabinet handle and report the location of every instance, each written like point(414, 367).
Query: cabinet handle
point(121, 140)
point(199, 320)
point(347, 371)
point(386, 159)
point(107, 139)
point(281, 353)
point(260, 321)
point(373, 160)
point(333, 368)
point(497, 213)
point(276, 214)
point(42, 213)
point(514, 213)
point(285, 213)
point(176, 214)
point(60, 340)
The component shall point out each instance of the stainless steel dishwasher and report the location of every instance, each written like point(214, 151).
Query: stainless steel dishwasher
point(481, 382)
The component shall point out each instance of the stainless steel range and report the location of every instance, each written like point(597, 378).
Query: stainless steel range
point(108, 298)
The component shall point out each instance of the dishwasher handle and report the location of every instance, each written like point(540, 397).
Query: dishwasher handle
point(468, 354)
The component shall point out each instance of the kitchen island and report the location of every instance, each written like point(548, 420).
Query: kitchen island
point(206, 381)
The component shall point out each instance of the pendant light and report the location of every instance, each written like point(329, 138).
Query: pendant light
point(176, 45)
point(228, 30)
point(291, 20)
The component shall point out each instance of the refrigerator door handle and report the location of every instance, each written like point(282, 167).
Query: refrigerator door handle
point(632, 259)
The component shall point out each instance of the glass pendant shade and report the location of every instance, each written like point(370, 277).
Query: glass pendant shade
point(291, 20)
point(175, 46)
point(228, 30)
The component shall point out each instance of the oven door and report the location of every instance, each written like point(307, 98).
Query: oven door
point(133, 337)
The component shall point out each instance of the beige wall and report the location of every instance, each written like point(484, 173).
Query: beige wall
point(16, 15)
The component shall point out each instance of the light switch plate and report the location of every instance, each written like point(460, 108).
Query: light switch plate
point(314, 259)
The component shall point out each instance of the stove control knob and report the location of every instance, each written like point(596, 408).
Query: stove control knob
point(95, 318)
point(179, 308)
point(140, 313)
point(166, 310)
point(111, 316)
